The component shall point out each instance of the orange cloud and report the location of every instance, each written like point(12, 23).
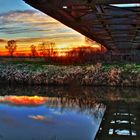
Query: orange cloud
point(37, 117)
point(23, 100)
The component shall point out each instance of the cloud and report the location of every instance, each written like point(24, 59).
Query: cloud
point(23, 100)
point(31, 21)
point(42, 118)
point(31, 26)
point(37, 117)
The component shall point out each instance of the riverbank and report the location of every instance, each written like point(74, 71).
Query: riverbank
point(87, 75)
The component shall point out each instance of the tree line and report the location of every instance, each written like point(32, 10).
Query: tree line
point(49, 52)
point(45, 48)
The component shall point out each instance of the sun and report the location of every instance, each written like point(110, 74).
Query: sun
point(61, 50)
point(62, 47)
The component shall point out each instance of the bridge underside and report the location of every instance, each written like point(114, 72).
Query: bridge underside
point(112, 26)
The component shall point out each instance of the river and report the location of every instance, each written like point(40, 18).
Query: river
point(68, 113)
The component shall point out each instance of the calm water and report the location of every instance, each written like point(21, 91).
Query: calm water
point(40, 113)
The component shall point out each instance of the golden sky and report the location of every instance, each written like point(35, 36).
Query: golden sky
point(29, 26)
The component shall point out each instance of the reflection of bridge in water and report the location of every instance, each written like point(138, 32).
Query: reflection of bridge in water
point(121, 122)
point(122, 117)
point(116, 27)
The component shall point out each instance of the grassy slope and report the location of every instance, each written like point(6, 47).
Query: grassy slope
point(39, 72)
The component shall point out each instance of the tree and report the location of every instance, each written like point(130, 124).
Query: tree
point(47, 48)
point(11, 47)
point(33, 50)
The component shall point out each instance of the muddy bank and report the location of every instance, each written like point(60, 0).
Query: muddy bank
point(89, 75)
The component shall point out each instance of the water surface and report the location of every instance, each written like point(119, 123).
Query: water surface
point(52, 113)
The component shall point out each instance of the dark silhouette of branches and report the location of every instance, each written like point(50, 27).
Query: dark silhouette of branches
point(47, 49)
point(11, 47)
point(33, 50)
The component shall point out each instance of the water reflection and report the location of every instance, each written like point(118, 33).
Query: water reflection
point(121, 121)
point(23, 100)
point(65, 113)
point(56, 115)
point(88, 107)
point(98, 94)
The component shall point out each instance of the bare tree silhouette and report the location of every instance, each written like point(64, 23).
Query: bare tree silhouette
point(47, 48)
point(11, 47)
point(33, 50)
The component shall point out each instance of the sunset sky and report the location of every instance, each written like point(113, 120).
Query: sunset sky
point(28, 26)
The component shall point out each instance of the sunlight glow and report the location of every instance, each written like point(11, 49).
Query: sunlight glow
point(24, 48)
point(39, 28)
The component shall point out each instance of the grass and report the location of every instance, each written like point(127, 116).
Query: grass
point(40, 63)
point(36, 61)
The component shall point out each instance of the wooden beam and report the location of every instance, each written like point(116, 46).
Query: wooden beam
point(97, 22)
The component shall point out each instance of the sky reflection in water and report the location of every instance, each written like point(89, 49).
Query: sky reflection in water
point(48, 118)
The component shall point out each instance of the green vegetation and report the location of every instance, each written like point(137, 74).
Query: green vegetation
point(39, 73)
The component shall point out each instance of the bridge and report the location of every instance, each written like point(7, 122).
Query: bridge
point(108, 22)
